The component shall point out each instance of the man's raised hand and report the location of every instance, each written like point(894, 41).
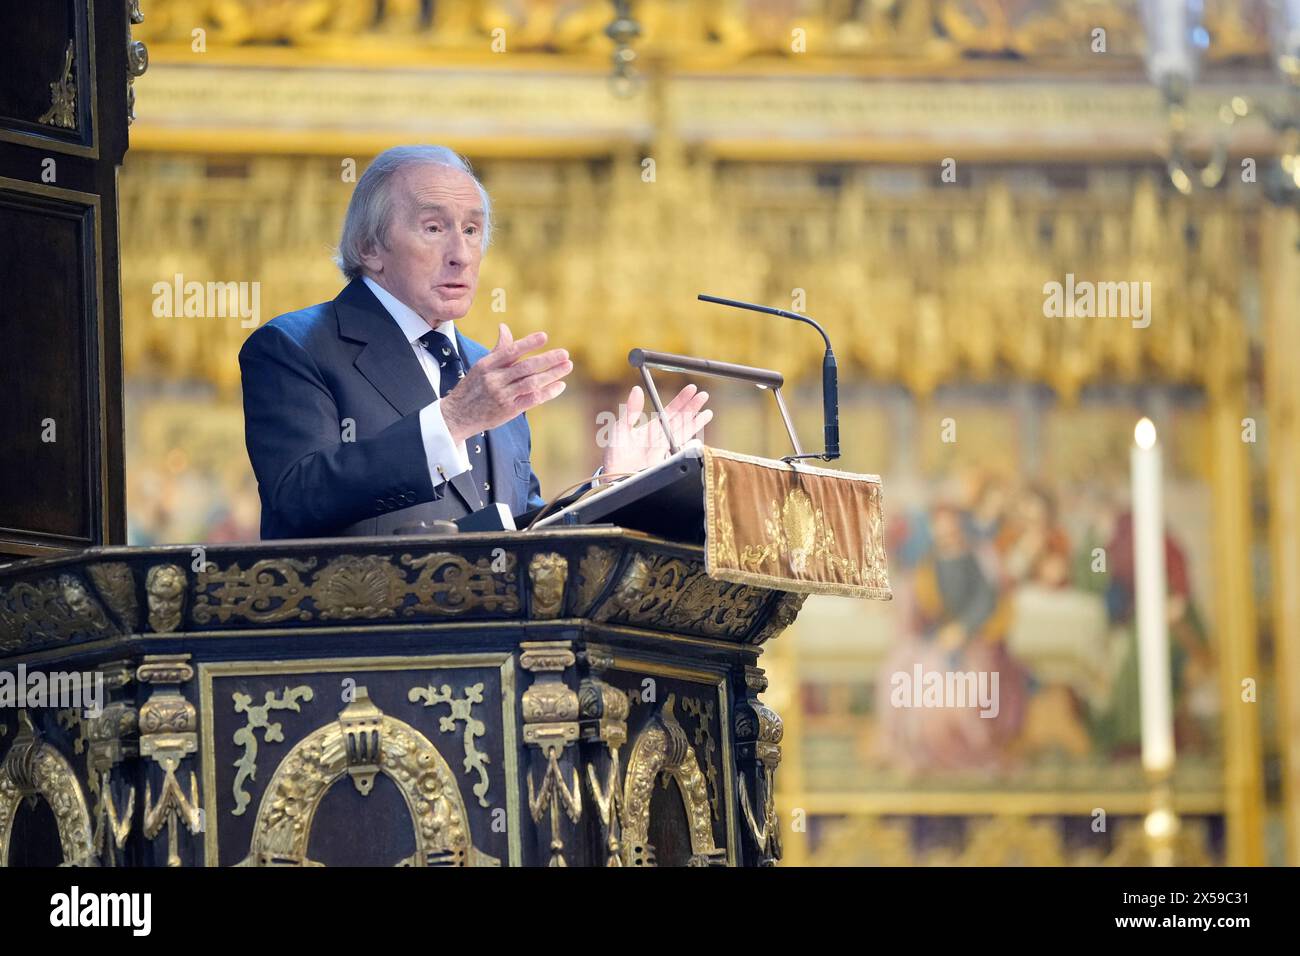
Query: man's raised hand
point(504, 383)
point(635, 444)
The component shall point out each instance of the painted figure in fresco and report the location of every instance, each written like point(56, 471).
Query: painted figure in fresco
point(971, 563)
point(1118, 727)
point(959, 625)
point(1032, 547)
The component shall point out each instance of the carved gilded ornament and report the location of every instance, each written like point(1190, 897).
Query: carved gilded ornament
point(703, 712)
point(165, 587)
point(550, 710)
point(662, 748)
point(104, 741)
point(548, 572)
point(353, 587)
point(609, 807)
point(462, 709)
point(361, 743)
point(785, 609)
point(168, 735)
point(761, 725)
point(594, 569)
point(674, 593)
point(112, 825)
point(53, 610)
point(758, 733)
point(246, 737)
point(33, 769)
point(63, 96)
point(137, 57)
point(449, 584)
point(935, 32)
point(116, 586)
point(608, 707)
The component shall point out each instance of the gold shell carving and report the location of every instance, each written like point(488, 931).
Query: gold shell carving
point(351, 586)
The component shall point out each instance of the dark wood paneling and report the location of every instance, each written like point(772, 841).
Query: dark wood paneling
point(60, 314)
point(47, 362)
point(34, 43)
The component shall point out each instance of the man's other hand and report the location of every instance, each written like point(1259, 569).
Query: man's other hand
point(633, 444)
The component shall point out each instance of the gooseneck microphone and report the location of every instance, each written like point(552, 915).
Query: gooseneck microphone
point(830, 375)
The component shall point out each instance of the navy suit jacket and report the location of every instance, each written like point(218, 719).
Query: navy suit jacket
point(305, 373)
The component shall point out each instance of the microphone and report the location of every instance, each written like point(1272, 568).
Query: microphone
point(830, 375)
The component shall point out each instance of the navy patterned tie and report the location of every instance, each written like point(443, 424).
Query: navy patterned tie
point(452, 370)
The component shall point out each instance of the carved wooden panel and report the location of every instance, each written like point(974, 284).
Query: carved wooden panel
point(63, 120)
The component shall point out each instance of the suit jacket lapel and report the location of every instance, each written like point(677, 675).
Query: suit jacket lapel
point(388, 362)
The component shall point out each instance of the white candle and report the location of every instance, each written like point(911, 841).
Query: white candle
point(1284, 30)
point(1171, 53)
point(1150, 593)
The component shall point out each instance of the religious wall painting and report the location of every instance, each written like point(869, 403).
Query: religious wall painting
point(1013, 579)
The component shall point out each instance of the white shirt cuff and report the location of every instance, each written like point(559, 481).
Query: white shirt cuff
point(439, 449)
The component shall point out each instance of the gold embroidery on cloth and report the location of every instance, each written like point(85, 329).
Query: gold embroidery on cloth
point(810, 530)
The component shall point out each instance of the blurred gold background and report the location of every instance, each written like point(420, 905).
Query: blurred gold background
point(909, 172)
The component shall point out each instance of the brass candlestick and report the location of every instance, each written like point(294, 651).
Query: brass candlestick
point(1161, 823)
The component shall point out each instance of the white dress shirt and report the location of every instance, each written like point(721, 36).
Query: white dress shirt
point(439, 448)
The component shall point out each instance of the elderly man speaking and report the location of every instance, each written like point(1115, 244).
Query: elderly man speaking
point(374, 412)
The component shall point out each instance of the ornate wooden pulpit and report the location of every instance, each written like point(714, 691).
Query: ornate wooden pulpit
point(569, 696)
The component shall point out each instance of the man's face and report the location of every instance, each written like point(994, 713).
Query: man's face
point(435, 242)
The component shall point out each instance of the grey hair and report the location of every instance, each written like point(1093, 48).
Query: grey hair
point(371, 205)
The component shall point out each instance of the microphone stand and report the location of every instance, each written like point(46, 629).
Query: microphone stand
point(830, 380)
